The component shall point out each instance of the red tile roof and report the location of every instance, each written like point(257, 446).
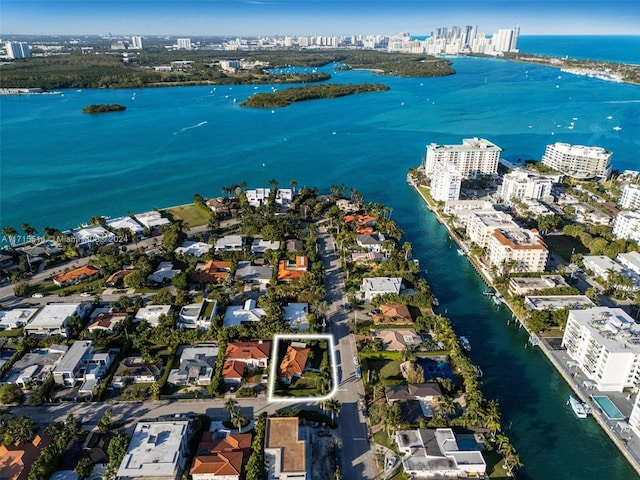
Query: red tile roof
point(233, 369)
point(294, 361)
point(227, 463)
point(290, 271)
point(16, 460)
point(77, 274)
point(212, 271)
point(248, 350)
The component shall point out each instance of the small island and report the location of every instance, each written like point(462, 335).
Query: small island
point(291, 95)
point(103, 108)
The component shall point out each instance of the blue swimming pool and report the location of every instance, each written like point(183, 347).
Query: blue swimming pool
point(434, 369)
point(608, 407)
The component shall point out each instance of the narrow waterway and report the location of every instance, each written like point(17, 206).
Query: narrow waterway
point(552, 442)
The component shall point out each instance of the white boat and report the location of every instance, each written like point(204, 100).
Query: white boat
point(617, 129)
point(461, 252)
point(435, 302)
point(464, 343)
point(580, 409)
point(496, 299)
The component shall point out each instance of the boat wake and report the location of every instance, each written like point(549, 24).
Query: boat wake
point(182, 130)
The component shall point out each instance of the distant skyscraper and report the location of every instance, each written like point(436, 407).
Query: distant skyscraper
point(18, 50)
point(184, 43)
point(136, 43)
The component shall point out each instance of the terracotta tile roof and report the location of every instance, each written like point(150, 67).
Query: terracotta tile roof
point(16, 460)
point(248, 350)
point(212, 271)
point(78, 273)
point(119, 275)
point(227, 463)
point(233, 369)
point(282, 433)
point(294, 361)
point(212, 443)
point(106, 320)
point(290, 271)
point(398, 314)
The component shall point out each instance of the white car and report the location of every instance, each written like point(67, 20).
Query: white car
point(85, 294)
point(37, 295)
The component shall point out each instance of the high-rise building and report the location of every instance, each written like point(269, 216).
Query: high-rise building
point(630, 198)
point(184, 44)
point(18, 50)
point(627, 226)
point(578, 161)
point(445, 183)
point(517, 250)
point(136, 43)
point(475, 157)
point(522, 184)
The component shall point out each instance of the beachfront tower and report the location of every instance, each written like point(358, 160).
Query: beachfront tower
point(578, 161)
point(473, 158)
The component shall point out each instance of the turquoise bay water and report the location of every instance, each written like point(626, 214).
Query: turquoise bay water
point(59, 167)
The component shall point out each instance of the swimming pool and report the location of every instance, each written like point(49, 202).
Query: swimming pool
point(608, 407)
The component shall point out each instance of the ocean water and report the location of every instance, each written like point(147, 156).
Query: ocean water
point(619, 49)
point(58, 167)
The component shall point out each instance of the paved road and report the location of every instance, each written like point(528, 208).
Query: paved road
point(357, 456)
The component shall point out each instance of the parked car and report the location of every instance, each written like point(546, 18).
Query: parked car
point(358, 373)
point(391, 462)
point(38, 295)
point(85, 294)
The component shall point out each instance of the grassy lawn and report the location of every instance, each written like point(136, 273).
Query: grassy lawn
point(300, 387)
point(388, 369)
point(553, 333)
point(382, 438)
point(191, 215)
point(562, 246)
point(494, 465)
point(14, 332)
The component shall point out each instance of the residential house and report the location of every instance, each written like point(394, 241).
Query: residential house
point(105, 321)
point(219, 206)
point(91, 236)
point(164, 273)
point(254, 274)
point(221, 456)
point(198, 315)
point(156, 451)
point(16, 318)
point(233, 371)
point(259, 196)
point(426, 392)
point(296, 315)
point(53, 319)
point(134, 370)
point(254, 354)
point(363, 223)
point(152, 220)
point(212, 271)
point(77, 275)
point(294, 245)
point(16, 459)
point(371, 287)
point(365, 258)
point(152, 314)
point(230, 243)
point(284, 453)
point(125, 223)
point(35, 366)
point(294, 362)
point(81, 364)
point(436, 453)
point(197, 365)
point(396, 314)
point(396, 339)
point(260, 245)
point(196, 249)
point(243, 314)
point(371, 242)
point(288, 270)
point(346, 206)
point(117, 279)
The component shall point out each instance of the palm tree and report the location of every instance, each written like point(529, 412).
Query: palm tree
point(238, 419)
point(406, 246)
point(492, 418)
point(293, 184)
point(333, 406)
point(28, 229)
point(446, 405)
point(11, 233)
point(231, 405)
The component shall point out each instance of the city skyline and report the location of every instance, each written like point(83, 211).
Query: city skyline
point(314, 17)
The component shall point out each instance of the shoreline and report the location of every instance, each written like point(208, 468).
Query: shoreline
point(541, 342)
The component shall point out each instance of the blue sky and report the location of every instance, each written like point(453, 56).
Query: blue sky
point(319, 17)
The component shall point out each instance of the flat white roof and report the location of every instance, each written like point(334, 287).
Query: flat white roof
point(10, 317)
point(611, 327)
point(154, 450)
point(127, 223)
point(53, 315)
point(196, 249)
point(152, 312)
point(296, 315)
point(151, 219)
point(382, 284)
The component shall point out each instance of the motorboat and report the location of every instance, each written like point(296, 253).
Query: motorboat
point(464, 343)
point(580, 409)
point(461, 252)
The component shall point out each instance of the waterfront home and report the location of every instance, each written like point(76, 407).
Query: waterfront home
point(397, 339)
point(212, 271)
point(125, 223)
point(196, 249)
point(221, 456)
point(134, 370)
point(229, 243)
point(152, 220)
point(284, 452)
point(16, 318)
point(296, 315)
point(396, 314)
point(259, 196)
point(293, 363)
point(426, 392)
point(524, 285)
point(198, 315)
point(18, 458)
point(157, 451)
point(288, 270)
point(260, 245)
point(371, 287)
point(152, 314)
point(254, 274)
point(363, 224)
point(91, 236)
point(346, 206)
point(35, 366)
point(255, 354)
point(219, 206)
point(371, 242)
point(604, 343)
point(163, 274)
point(430, 453)
point(86, 272)
point(53, 319)
point(366, 258)
point(197, 365)
point(243, 314)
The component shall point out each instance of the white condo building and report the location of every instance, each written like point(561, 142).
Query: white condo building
point(517, 250)
point(480, 224)
point(473, 158)
point(627, 226)
point(578, 161)
point(630, 198)
point(184, 43)
point(136, 43)
point(605, 344)
point(18, 50)
point(523, 185)
point(445, 183)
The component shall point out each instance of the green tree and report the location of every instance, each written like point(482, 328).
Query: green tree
point(83, 467)
point(10, 393)
point(18, 430)
point(116, 451)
